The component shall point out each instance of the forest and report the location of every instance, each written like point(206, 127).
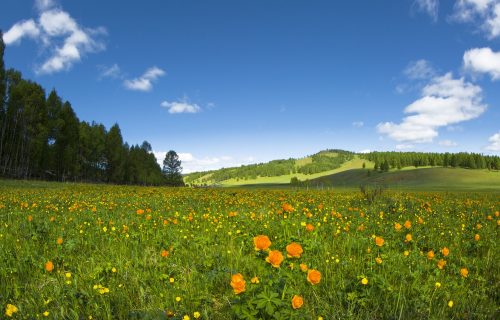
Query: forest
point(41, 137)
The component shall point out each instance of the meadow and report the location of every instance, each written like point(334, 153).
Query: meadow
point(71, 251)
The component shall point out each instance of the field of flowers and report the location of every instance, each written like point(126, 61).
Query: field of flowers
point(114, 252)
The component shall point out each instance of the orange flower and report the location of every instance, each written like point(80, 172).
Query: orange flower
point(408, 237)
point(313, 276)
point(309, 227)
point(378, 260)
point(140, 211)
point(430, 255)
point(261, 242)
point(441, 263)
point(275, 258)
point(238, 283)
point(287, 207)
point(477, 237)
point(164, 253)
point(297, 302)
point(379, 241)
point(407, 224)
point(464, 272)
point(59, 240)
point(294, 250)
point(397, 226)
point(445, 251)
point(30, 218)
point(49, 266)
point(303, 267)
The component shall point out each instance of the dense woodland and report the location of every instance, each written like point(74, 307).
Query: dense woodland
point(42, 138)
point(397, 160)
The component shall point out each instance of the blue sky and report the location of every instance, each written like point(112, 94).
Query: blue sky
point(231, 82)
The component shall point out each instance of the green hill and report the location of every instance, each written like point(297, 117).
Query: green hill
point(421, 178)
point(323, 163)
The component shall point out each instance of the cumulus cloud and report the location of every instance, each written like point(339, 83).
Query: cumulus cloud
point(113, 72)
point(483, 60)
point(144, 82)
point(190, 163)
point(494, 142)
point(358, 124)
point(444, 101)
point(448, 143)
point(59, 33)
point(420, 69)
point(181, 106)
point(485, 13)
point(27, 28)
point(431, 7)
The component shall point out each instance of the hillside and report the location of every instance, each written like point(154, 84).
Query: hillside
point(412, 178)
point(323, 163)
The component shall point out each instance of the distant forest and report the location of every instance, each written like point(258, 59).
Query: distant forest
point(42, 138)
point(396, 160)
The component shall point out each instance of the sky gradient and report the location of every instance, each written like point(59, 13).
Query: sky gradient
point(230, 82)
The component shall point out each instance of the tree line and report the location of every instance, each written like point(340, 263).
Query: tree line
point(396, 160)
point(41, 137)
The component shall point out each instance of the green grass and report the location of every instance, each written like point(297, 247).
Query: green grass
point(417, 179)
point(113, 237)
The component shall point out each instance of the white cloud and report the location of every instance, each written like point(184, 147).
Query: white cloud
point(445, 101)
point(190, 163)
point(59, 33)
point(27, 28)
point(43, 5)
point(358, 124)
point(486, 13)
point(448, 143)
point(494, 142)
point(431, 7)
point(182, 106)
point(404, 146)
point(364, 151)
point(144, 82)
point(113, 71)
point(483, 60)
point(420, 69)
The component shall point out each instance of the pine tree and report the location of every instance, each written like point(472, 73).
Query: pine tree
point(172, 169)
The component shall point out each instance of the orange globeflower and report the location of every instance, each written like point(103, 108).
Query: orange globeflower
point(379, 241)
point(294, 250)
point(445, 251)
point(309, 227)
point(441, 263)
point(397, 226)
point(238, 283)
point(430, 255)
point(313, 276)
point(464, 272)
point(297, 302)
point(407, 224)
point(59, 240)
point(261, 242)
point(164, 253)
point(275, 258)
point(408, 237)
point(303, 267)
point(287, 207)
point(49, 266)
point(140, 211)
point(477, 237)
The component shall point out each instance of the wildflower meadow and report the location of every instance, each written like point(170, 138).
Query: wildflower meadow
point(72, 251)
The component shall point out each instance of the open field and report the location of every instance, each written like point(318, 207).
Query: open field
point(72, 251)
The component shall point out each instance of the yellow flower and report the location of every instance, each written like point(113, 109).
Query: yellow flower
point(378, 260)
point(438, 285)
point(10, 310)
point(186, 317)
point(68, 275)
point(254, 280)
point(450, 303)
point(464, 272)
point(171, 280)
point(113, 270)
point(46, 314)
point(178, 299)
point(408, 237)
point(196, 315)
point(364, 281)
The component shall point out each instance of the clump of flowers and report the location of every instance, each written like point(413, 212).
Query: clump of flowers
point(238, 283)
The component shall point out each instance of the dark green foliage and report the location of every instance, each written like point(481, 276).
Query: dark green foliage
point(323, 162)
point(43, 138)
point(172, 169)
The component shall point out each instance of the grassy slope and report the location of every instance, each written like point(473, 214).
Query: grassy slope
point(422, 178)
point(352, 164)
